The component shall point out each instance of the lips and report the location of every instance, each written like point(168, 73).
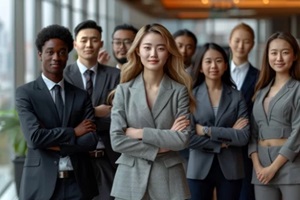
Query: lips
point(153, 61)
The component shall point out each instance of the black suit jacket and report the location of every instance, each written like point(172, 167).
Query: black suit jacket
point(107, 79)
point(249, 86)
point(41, 127)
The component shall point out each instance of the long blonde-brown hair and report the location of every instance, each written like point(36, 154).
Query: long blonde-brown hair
point(266, 71)
point(174, 66)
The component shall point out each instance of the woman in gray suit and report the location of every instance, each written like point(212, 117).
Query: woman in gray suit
point(219, 130)
point(149, 119)
point(275, 142)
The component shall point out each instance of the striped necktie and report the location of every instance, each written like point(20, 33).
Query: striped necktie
point(89, 81)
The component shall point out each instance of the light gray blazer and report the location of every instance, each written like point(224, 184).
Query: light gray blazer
point(281, 121)
point(141, 169)
point(203, 149)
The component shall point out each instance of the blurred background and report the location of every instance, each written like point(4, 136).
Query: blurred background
point(210, 20)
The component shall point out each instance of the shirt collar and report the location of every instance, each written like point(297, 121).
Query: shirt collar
point(50, 84)
point(243, 67)
point(83, 68)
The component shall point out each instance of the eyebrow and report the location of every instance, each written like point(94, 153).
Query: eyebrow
point(147, 43)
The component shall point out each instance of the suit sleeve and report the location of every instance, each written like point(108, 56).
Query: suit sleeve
point(219, 135)
point(291, 148)
point(202, 143)
point(252, 147)
point(119, 141)
point(169, 139)
point(36, 134)
point(86, 142)
point(231, 136)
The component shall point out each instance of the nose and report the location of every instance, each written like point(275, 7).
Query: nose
point(183, 50)
point(153, 52)
point(241, 45)
point(55, 56)
point(88, 43)
point(213, 64)
point(279, 56)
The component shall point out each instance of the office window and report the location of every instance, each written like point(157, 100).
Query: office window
point(7, 70)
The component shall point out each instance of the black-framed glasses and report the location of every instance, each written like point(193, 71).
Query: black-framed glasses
point(127, 42)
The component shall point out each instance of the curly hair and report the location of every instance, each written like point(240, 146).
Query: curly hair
point(51, 32)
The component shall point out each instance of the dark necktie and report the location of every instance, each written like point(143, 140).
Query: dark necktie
point(59, 102)
point(89, 81)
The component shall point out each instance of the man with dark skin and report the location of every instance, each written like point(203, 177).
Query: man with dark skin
point(57, 121)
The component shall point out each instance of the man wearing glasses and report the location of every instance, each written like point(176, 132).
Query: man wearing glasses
point(122, 39)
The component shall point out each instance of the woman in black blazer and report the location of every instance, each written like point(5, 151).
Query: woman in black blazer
point(219, 130)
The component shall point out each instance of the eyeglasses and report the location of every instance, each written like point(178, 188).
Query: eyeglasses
point(127, 43)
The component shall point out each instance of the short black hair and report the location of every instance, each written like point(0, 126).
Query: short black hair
point(127, 27)
point(186, 32)
point(87, 24)
point(51, 32)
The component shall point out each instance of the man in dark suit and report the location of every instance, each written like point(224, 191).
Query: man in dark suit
point(99, 80)
point(56, 119)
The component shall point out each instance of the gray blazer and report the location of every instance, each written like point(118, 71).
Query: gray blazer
point(203, 149)
point(141, 169)
point(281, 121)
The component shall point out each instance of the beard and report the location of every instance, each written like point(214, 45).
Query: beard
point(120, 60)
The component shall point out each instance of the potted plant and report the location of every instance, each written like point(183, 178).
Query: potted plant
point(10, 125)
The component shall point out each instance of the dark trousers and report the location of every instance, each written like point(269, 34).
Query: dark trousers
point(226, 189)
point(104, 173)
point(247, 192)
point(66, 189)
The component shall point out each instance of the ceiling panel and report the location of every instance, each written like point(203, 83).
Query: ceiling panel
point(202, 9)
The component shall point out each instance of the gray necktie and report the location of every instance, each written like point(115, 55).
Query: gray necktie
point(89, 81)
point(59, 102)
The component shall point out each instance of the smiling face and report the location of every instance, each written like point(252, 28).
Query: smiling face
point(281, 56)
point(122, 40)
point(54, 58)
point(186, 47)
point(153, 52)
point(241, 43)
point(213, 65)
point(87, 44)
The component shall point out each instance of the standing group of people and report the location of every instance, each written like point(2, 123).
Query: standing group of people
point(161, 127)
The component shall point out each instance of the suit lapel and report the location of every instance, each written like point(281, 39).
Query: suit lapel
point(69, 98)
point(250, 80)
point(43, 92)
point(75, 76)
point(101, 77)
point(164, 95)
point(138, 90)
point(224, 103)
point(204, 105)
point(279, 95)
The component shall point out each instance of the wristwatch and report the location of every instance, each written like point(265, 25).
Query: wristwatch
point(205, 130)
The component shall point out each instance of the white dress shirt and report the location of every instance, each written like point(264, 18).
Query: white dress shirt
point(82, 70)
point(238, 73)
point(64, 162)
